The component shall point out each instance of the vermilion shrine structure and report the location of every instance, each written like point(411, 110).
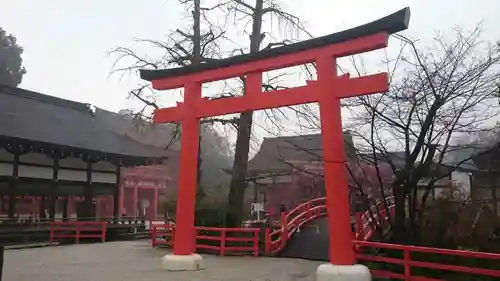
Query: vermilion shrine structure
point(328, 90)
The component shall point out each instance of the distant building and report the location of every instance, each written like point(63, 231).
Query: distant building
point(289, 171)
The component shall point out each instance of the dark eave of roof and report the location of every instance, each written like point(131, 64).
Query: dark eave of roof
point(47, 122)
point(276, 154)
point(390, 24)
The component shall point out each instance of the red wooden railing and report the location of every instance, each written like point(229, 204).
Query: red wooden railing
point(408, 263)
point(375, 217)
point(366, 222)
point(366, 225)
point(164, 234)
point(77, 230)
point(276, 240)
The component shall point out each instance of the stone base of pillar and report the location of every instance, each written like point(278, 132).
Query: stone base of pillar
point(330, 272)
point(191, 262)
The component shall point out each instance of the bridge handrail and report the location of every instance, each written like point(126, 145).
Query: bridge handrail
point(366, 222)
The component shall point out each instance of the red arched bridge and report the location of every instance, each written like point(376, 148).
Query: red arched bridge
point(303, 233)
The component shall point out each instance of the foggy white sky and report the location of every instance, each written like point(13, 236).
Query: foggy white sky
point(65, 41)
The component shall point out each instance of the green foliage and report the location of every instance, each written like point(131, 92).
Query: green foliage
point(454, 225)
point(460, 226)
point(451, 225)
point(11, 69)
point(210, 210)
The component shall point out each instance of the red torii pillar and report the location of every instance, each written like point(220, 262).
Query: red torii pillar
point(327, 91)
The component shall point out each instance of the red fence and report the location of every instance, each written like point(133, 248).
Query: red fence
point(212, 238)
point(77, 230)
point(399, 262)
point(275, 240)
point(366, 223)
point(374, 218)
point(407, 263)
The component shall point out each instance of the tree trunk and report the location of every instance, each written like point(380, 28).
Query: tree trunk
point(238, 184)
point(399, 229)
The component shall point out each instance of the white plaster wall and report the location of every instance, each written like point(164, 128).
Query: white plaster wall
point(36, 158)
point(35, 172)
point(5, 169)
point(463, 179)
point(104, 166)
point(103, 177)
point(26, 171)
point(72, 175)
point(4, 155)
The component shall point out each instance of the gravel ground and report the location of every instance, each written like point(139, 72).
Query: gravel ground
point(136, 260)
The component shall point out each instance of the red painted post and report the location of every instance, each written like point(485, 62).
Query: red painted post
point(172, 236)
point(359, 225)
point(52, 230)
point(222, 249)
point(135, 199)
point(153, 235)
point(103, 233)
point(309, 209)
point(284, 229)
point(70, 207)
point(267, 243)
point(406, 257)
point(336, 184)
point(33, 206)
point(256, 243)
point(184, 244)
point(77, 234)
point(155, 203)
point(121, 201)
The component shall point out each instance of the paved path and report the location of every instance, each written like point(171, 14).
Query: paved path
point(312, 242)
point(136, 260)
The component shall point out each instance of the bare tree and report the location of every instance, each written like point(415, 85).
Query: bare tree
point(435, 95)
point(197, 43)
point(201, 42)
point(256, 14)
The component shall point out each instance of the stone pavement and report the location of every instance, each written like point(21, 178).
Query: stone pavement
point(137, 261)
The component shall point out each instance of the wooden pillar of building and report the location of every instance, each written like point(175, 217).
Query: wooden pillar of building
point(70, 206)
point(155, 203)
point(33, 206)
point(117, 194)
point(13, 187)
point(41, 207)
point(135, 200)
point(53, 188)
point(121, 203)
point(65, 209)
point(88, 192)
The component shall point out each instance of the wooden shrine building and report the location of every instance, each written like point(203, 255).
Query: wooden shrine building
point(53, 149)
point(289, 170)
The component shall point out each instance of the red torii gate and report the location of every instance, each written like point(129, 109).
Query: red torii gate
point(327, 91)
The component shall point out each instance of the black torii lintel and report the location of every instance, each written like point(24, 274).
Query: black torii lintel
point(390, 24)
